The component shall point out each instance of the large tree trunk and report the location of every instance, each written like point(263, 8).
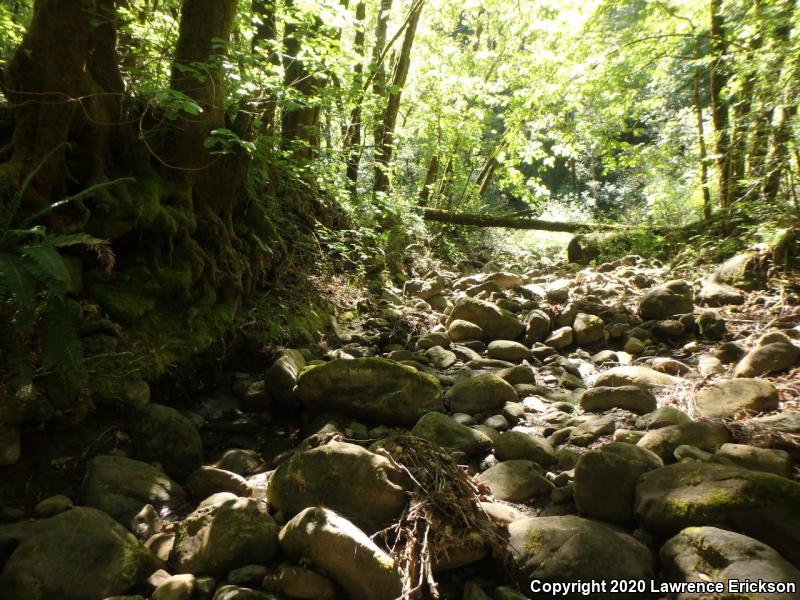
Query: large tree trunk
point(430, 179)
point(718, 78)
point(62, 59)
point(383, 151)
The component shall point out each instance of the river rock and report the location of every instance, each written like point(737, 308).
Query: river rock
point(162, 434)
point(486, 393)
point(725, 399)
point(508, 350)
point(667, 300)
point(121, 487)
point(701, 434)
point(591, 428)
point(300, 583)
point(496, 323)
point(632, 398)
point(768, 460)
point(588, 329)
point(662, 417)
point(347, 478)
point(561, 338)
point(635, 375)
point(207, 481)
point(537, 326)
point(570, 548)
point(743, 271)
point(715, 294)
point(688, 494)
point(515, 480)
point(769, 358)
point(224, 536)
point(281, 377)
point(370, 388)
point(346, 553)
point(605, 480)
point(80, 554)
point(451, 435)
point(462, 331)
point(713, 554)
point(511, 445)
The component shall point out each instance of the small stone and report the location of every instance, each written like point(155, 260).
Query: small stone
point(512, 445)
point(52, 506)
point(516, 480)
point(632, 398)
point(560, 338)
point(727, 398)
point(768, 460)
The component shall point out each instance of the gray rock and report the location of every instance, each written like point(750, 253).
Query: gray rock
point(515, 480)
point(561, 338)
point(605, 480)
point(441, 358)
point(175, 587)
point(451, 435)
point(588, 329)
point(512, 445)
point(206, 481)
point(569, 548)
point(787, 421)
point(632, 398)
point(235, 592)
point(592, 428)
point(334, 544)
point(461, 331)
point(743, 271)
point(727, 398)
point(162, 434)
point(370, 388)
point(508, 350)
point(689, 494)
point(713, 554)
point(224, 536)
point(300, 583)
point(281, 377)
point(432, 340)
point(770, 358)
point(80, 554)
point(485, 393)
point(715, 294)
point(52, 506)
point(704, 435)
point(635, 375)
point(340, 476)
point(667, 300)
point(768, 460)
point(662, 417)
point(518, 374)
point(121, 487)
point(537, 326)
point(496, 323)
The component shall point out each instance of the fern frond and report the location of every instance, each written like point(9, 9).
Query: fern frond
point(61, 345)
point(102, 248)
point(16, 281)
point(7, 217)
point(75, 197)
point(44, 261)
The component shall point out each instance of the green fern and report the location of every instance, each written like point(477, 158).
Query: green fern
point(33, 287)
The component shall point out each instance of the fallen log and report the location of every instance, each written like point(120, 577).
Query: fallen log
point(478, 220)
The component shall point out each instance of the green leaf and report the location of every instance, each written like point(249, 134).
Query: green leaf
point(61, 346)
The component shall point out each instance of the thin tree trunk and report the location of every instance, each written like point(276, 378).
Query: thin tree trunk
point(352, 140)
point(701, 143)
point(267, 31)
point(300, 127)
point(718, 79)
point(430, 179)
point(383, 151)
point(378, 69)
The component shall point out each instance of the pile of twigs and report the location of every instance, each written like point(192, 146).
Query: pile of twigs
point(752, 433)
point(443, 513)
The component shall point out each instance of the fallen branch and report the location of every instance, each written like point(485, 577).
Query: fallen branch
point(478, 220)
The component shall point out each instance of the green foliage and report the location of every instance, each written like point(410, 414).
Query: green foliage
point(34, 283)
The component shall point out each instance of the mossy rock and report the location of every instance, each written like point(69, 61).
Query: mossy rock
point(761, 505)
point(371, 388)
point(570, 548)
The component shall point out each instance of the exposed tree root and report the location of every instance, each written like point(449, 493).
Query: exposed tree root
point(443, 514)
